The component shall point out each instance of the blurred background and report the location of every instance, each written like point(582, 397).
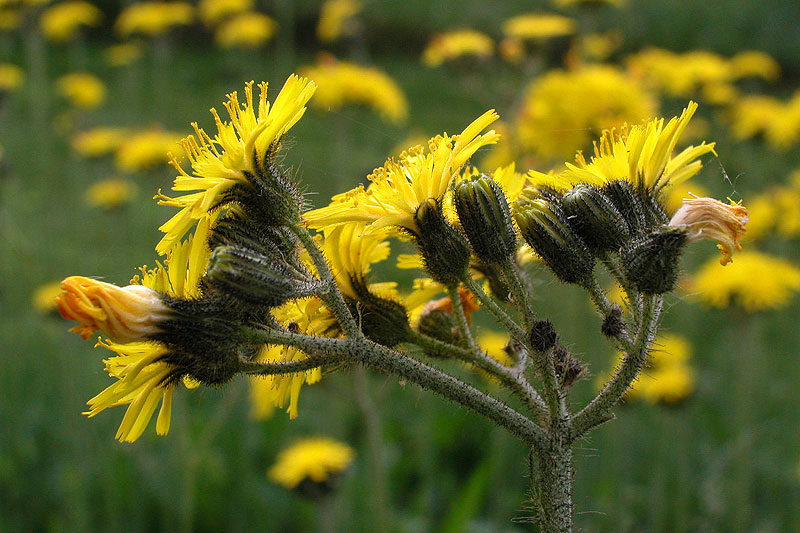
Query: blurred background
point(94, 94)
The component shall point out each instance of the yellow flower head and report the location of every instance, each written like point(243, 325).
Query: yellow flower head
point(755, 64)
point(763, 213)
point(316, 459)
point(756, 282)
point(98, 142)
point(455, 44)
point(212, 12)
point(248, 30)
point(44, 297)
point(351, 252)
point(706, 218)
point(145, 149)
point(110, 193)
point(143, 377)
point(336, 19)
point(153, 18)
point(679, 74)
point(398, 188)
point(537, 27)
point(220, 162)
point(82, 90)
point(551, 125)
point(123, 54)
point(778, 121)
point(61, 21)
point(11, 77)
point(341, 83)
point(642, 155)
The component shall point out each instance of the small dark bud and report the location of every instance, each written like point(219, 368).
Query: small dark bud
point(486, 219)
point(256, 279)
point(543, 336)
point(650, 262)
point(613, 325)
point(382, 320)
point(444, 248)
point(628, 202)
point(571, 372)
point(544, 227)
point(595, 219)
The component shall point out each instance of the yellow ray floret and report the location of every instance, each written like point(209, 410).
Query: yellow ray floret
point(315, 459)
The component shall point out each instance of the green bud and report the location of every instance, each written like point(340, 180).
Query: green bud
point(629, 203)
point(269, 196)
point(654, 212)
point(441, 325)
point(595, 219)
point(256, 279)
point(486, 219)
point(650, 262)
point(544, 227)
point(382, 320)
point(444, 248)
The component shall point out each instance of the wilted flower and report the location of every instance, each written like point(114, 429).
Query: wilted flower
point(707, 218)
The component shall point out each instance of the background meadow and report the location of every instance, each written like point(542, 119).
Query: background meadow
point(721, 452)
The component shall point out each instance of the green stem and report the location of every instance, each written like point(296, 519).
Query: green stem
point(519, 292)
point(598, 410)
point(461, 317)
point(516, 331)
point(289, 367)
point(392, 362)
point(633, 296)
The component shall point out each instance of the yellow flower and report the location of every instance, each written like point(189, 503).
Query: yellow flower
point(342, 82)
point(315, 459)
point(778, 121)
point(787, 221)
point(153, 18)
point(551, 125)
point(351, 252)
point(598, 46)
point(336, 19)
point(755, 282)
point(145, 149)
point(122, 55)
point(98, 142)
point(82, 90)
point(212, 12)
point(493, 344)
point(61, 22)
point(679, 74)
point(706, 218)
point(44, 297)
point(222, 162)
point(11, 77)
point(248, 30)
point(399, 187)
point(110, 193)
point(143, 376)
point(455, 44)
point(536, 26)
point(641, 155)
point(763, 212)
point(755, 64)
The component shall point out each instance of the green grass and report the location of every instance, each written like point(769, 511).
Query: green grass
point(726, 459)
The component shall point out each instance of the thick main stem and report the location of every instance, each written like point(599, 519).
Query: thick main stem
point(553, 475)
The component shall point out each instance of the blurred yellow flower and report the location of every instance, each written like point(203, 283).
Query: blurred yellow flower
point(98, 142)
point(60, 22)
point(493, 344)
point(778, 121)
point(123, 54)
point(512, 50)
point(764, 212)
point(145, 149)
point(552, 125)
point(81, 90)
point(720, 93)
point(755, 282)
point(44, 297)
point(679, 74)
point(569, 3)
point(341, 83)
point(336, 19)
point(755, 64)
point(10, 19)
point(212, 12)
point(316, 459)
point(110, 193)
point(153, 18)
point(539, 27)
point(11, 77)
point(597, 46)
point(456, 44)
point(248, 30)
point(787, 221)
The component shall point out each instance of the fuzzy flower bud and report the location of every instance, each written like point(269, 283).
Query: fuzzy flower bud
point(444, 248)
point(650, 262)
point(595, 219)
point(707, 218)
point(124, 314)
point(486, 219)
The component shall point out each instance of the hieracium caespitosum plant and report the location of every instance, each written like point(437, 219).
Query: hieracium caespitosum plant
point(246, 288)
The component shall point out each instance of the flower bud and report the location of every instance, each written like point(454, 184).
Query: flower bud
point(255, 278)
point(629, 203)
point(444, 248)
point(544, 227)
point(382, 320)
point(595, 219)
point(706, 218)
point(486, 219)
point(440, 325)
point(650, 262)
point(269, 196)
point(543, 336)
point(124, 314)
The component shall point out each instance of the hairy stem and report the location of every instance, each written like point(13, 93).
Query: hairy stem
point(519, 292)
point(288, 367)
point(461, 317)
point(516, 331)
